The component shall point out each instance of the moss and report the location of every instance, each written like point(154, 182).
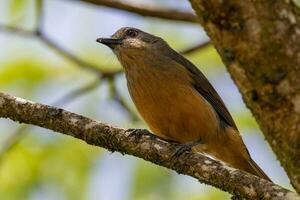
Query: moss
point(228, 55)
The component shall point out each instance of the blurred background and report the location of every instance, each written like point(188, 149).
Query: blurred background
point(48, 54)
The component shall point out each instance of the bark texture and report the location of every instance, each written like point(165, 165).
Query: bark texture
point(259, 41)
point(144, 145)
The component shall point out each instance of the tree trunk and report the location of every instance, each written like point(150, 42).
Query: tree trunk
point(259, 42)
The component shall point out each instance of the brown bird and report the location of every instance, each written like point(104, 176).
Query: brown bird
point(176, 100)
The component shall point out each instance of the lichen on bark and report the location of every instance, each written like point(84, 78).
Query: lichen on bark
point(259, 42)
point(142, 144)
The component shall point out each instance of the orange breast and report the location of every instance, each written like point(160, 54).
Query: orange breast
point(170, 106)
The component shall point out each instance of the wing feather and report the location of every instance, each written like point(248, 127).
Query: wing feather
point(203, 86)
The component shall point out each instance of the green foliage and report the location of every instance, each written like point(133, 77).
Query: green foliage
point(16, 6)
point(208, 60)
point(27, 72)
point(297, 3)
point(63, 163)
point(16, 10)
point(151, 182)
point(245, 120)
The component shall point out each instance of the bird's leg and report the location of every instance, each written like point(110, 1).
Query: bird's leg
point(186, 147)
point(139, 132)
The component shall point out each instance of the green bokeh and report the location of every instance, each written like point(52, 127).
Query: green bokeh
point(43, 159)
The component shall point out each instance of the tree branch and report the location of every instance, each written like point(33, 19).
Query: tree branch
point(259, 42)
point(117, 97)
point(143, 145)
point(17, 31)
point(197, 47)
point(57, 48)
point(77, 93)
point(11, 142)
point(63, 52)
point(15, 137)
point(147, 10)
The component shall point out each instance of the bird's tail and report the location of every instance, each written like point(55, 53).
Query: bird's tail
point(238, 148)
point(257, 170)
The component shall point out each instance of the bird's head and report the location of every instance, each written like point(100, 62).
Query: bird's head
point(132, 41)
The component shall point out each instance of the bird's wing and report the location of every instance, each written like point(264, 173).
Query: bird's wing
point(203, 86)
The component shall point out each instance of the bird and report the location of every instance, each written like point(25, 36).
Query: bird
point(176, 100)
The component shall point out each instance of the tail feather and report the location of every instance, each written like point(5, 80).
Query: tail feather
point(258, 171)
point(242, 159)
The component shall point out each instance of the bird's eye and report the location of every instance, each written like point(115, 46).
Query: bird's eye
point(131, 33)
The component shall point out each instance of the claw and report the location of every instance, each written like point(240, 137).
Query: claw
point(137, 132)
point(185, 147)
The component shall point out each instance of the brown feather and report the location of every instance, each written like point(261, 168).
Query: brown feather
point(203, 86)
point(177, 101)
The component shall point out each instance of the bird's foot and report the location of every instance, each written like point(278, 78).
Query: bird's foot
point(186, 147)
point(138, 133)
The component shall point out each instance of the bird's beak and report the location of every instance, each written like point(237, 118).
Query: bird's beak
point(110, 42)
